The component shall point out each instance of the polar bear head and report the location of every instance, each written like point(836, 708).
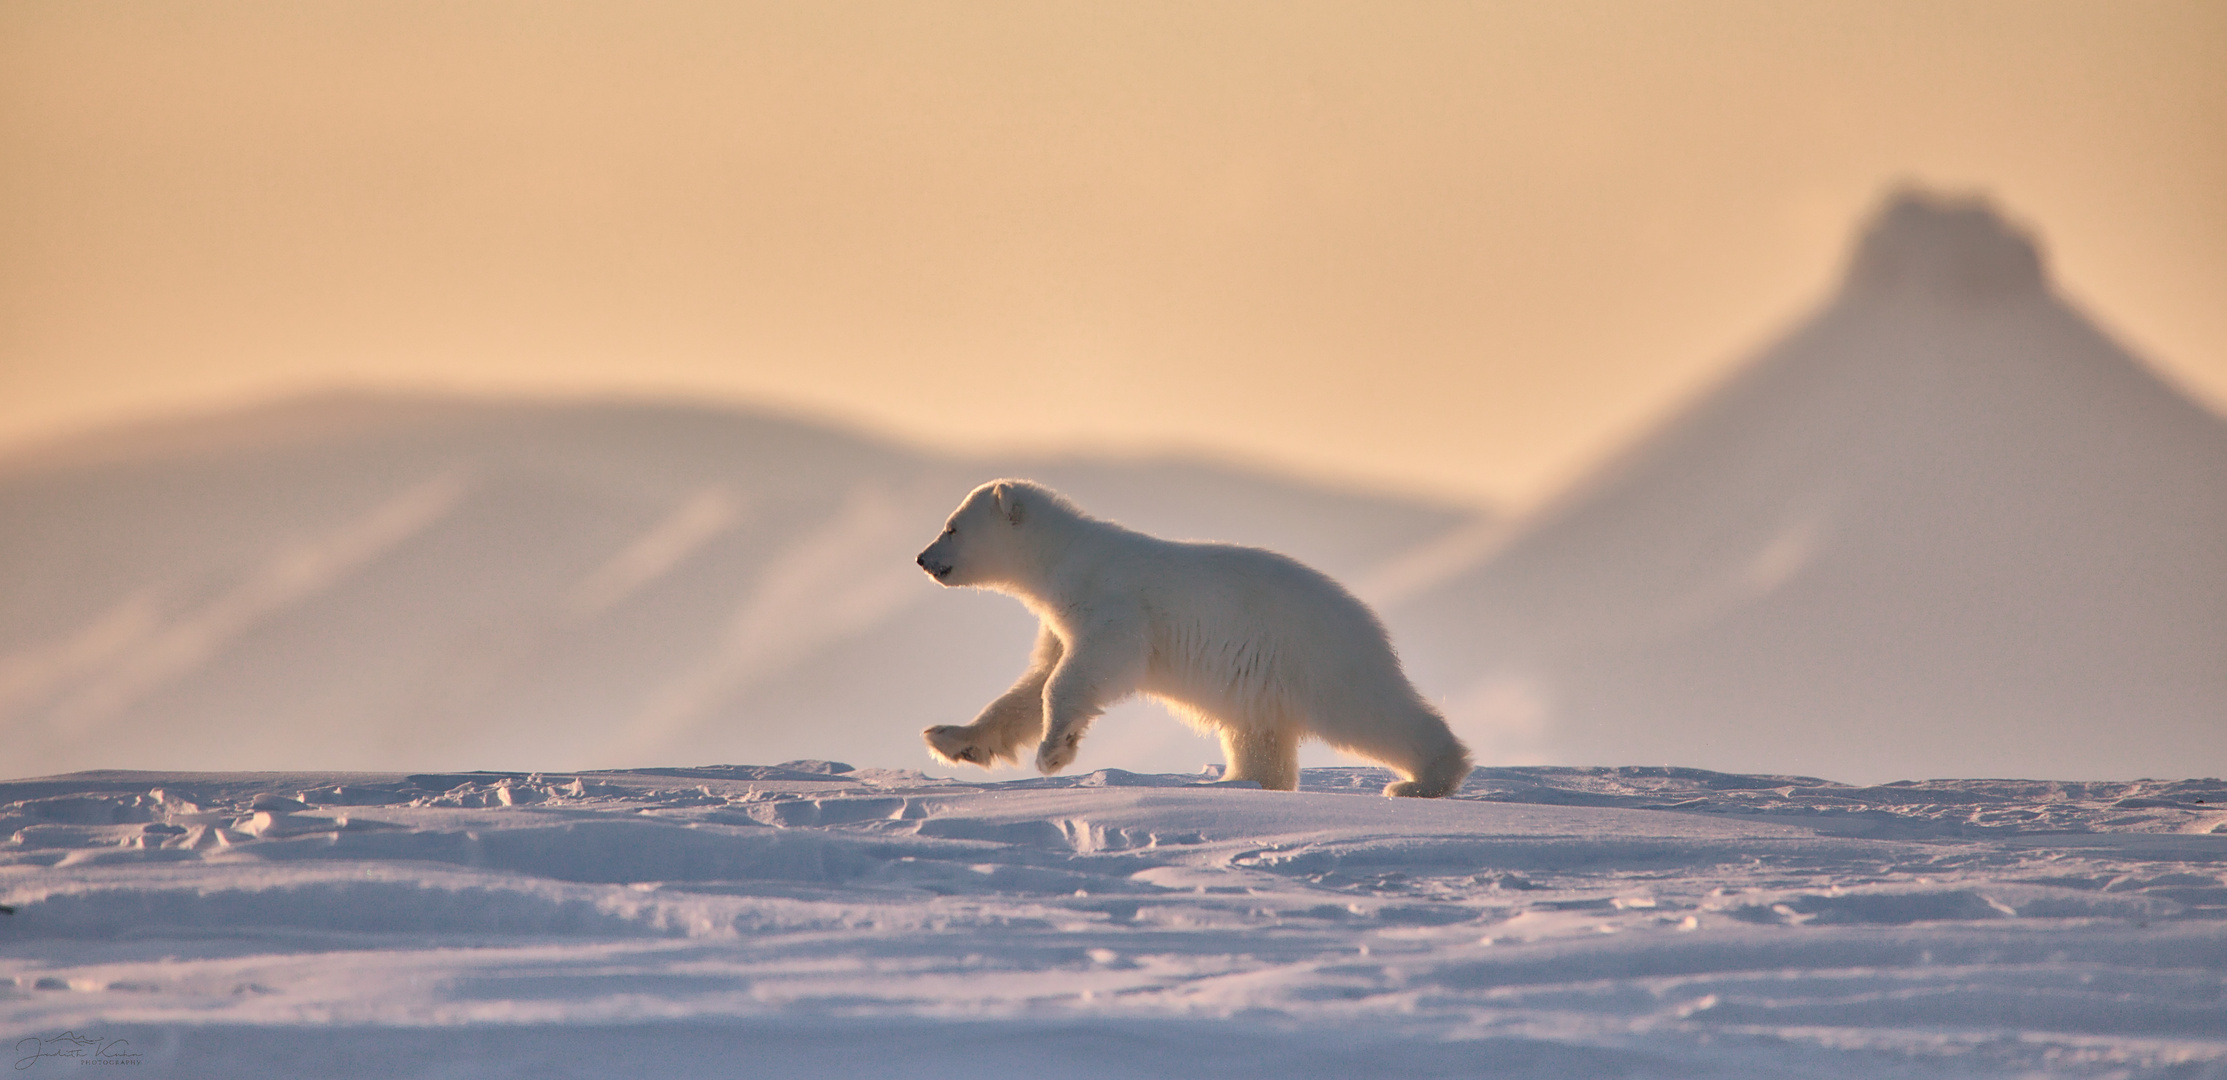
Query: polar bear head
point(994, 537)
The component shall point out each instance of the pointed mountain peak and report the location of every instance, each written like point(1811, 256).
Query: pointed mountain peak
point(1955, 247)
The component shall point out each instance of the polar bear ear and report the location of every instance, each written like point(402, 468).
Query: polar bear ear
point(1009, 502)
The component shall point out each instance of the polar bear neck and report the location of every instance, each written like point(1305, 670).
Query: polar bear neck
point(1060, 543)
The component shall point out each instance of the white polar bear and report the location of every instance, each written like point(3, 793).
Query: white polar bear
point(1246, 643)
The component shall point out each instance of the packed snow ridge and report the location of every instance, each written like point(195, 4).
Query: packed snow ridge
point(726, 920)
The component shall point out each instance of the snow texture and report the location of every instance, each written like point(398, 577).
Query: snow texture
point(815, 919)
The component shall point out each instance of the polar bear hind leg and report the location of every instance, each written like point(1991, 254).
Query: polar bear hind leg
point(1413, 741)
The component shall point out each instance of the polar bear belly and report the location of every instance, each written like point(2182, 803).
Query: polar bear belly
point(1222, 678)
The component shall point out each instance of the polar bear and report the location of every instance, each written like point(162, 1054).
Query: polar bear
point(1247, 644)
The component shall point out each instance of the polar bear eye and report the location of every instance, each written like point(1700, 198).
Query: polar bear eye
point(949, 531)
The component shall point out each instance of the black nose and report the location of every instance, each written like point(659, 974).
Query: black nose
point(922, 561)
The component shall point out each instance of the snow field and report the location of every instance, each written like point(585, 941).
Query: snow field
point(753, 920)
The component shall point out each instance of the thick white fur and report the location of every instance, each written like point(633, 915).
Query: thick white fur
point(1248, 644)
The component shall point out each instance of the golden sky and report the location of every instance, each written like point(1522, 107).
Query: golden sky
point(1453, 248)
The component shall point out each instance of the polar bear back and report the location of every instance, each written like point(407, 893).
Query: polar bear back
point(1247, 635)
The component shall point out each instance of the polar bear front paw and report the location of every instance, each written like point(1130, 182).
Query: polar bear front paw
point(956, 744)
point(1058, 752)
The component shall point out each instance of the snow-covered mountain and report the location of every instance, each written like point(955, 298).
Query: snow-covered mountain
point(396, 582)
point(1946, 526)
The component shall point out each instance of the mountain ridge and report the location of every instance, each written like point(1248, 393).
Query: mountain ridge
point(1930, 522)
point(355, 579)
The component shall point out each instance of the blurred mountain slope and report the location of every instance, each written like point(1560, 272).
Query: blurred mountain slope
point(1944, 527)
point(362, 581)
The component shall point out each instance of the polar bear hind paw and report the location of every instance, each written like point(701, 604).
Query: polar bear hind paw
point(1415, 789)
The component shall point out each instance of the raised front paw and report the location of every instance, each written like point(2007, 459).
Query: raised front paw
point(956, 744)
point(1058, 752)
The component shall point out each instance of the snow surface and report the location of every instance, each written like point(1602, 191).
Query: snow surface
point(812, 919)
